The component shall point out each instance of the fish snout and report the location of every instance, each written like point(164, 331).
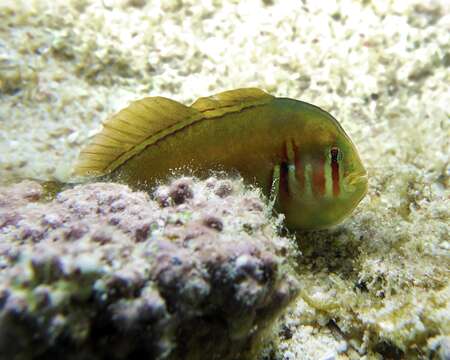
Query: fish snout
point(357, 178)
point(357, 184)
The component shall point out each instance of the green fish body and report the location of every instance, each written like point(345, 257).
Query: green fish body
point(297, 153)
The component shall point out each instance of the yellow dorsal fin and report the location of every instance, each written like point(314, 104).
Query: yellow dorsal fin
point(230, 101)
point(124, 133)
point(148, 120)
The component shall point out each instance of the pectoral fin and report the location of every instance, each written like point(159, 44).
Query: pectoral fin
point(275, 187)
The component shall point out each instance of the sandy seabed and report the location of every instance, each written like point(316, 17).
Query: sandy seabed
point(376, 286)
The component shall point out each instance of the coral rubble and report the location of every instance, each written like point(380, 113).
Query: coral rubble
point(102, 272)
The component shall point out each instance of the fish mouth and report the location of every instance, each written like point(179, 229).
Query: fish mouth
point(357, 178)
point(358, 183)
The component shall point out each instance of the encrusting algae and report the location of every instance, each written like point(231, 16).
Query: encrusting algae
point(297, 153)
point(104, 272)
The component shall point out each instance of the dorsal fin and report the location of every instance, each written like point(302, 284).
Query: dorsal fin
point(146, 121)
point(123, 133)
point(230, 101)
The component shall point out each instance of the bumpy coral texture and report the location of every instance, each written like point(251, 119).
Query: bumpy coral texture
point(102, 272)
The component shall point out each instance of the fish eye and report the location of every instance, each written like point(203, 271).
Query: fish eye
point(335, 153)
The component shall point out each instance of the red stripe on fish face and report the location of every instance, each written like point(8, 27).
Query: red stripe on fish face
point(284, 182)
point(284, 153)
point(318, 176)
point(299, 170)
point(335, 171)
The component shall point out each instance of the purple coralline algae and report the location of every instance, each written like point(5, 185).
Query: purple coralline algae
point(195, 271)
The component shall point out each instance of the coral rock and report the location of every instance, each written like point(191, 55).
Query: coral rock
point(102, 272)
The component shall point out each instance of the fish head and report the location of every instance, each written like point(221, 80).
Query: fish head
point(323, 179)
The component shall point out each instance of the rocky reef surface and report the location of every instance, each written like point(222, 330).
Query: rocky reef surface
point(101, 272)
